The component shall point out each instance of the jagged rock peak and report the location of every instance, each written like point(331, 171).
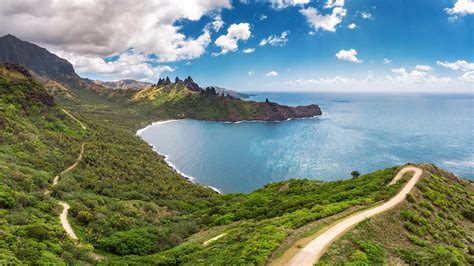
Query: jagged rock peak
point(177, 80)
point(161, 82)
point(167, 81)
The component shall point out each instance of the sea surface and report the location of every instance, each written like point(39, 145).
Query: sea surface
point(363, 132)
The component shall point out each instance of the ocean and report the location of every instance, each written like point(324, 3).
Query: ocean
point(362, 132)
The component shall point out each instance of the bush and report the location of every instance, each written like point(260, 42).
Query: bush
point(7, 200)
point(359, 257)
point(136, 242)
point(84, 217)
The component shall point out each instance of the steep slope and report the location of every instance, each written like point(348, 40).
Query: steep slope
point(107, 191)
point(185, 99)
point(37, 140)
point(434, 226)
point(37, 59)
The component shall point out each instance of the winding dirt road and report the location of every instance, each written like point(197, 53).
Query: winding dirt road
point(63, 217)
point(311, 253)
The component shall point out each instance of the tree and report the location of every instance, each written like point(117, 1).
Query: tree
point(355, 174)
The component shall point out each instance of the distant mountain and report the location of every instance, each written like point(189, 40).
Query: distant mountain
point(37, 59)
point(232, 93)
point(124, 84)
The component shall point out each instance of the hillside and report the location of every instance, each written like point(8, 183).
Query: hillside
point(434, 226)
point(164, 100)
point(141, 211)
point(185, 99)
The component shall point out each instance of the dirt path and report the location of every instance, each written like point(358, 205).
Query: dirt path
point(74, 118)
point(213, 239)
point(311, 253)
point(63, 217)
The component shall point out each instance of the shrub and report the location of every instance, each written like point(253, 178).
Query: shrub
point(84, 217)
point(136, 242)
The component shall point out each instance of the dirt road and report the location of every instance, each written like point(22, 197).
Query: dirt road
point(311, 253)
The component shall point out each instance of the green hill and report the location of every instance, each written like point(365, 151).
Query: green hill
point(185, 99)
point(434, 226)
point(129, 206)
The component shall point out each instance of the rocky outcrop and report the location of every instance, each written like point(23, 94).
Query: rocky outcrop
point(37, 59)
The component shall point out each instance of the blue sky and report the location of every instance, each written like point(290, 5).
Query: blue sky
point(412, 45)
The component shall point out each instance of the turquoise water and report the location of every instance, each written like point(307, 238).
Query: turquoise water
point(361, 132)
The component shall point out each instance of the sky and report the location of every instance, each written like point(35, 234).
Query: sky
point(274, 45)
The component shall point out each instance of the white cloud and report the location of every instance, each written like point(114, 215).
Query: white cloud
point(348, 55)
point(218, 23)
point(249, 50)
point(275, 40)
point(311, 33)
point(250, 73)
point(130, 65)
point(279, 4)
point(235, 33)
point(272, 74)
point(326, 22)
point(387, 61)
point(262, 17)
point(462, 65)
point(106, 28)
point(468, 77)
point(423, 68)
point(333, 3)
point(415, 76)
point(352, 26)
point(365, 15)
point(461, 7)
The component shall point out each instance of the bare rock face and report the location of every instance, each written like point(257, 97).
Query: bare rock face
point(37, 59)
point(191, 85)
point(177, 80)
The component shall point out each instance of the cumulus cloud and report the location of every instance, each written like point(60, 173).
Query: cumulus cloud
point(352, 26)
point(262, 17)
point(272, 74)
point(462, 65)
point(468, 77)
point(326, 22)
point(461, 7)
point(129, 64)
point(249, 50)
point(106, 28)
point(387, 61)
point(333, 3)
point(275, 40)
point(218, 23)
point(279, 4)
point(235, 33)
point(415, 76)
point(348, 55)
point(423, 68)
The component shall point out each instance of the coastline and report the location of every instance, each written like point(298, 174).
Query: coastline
point(191, 178)
point(165, 157)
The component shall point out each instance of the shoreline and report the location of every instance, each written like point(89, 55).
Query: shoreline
point(174, 167)
point(165, 157)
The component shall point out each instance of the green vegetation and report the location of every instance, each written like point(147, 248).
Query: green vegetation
point(130, 206)
point(36, 141)
point(433, 227)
